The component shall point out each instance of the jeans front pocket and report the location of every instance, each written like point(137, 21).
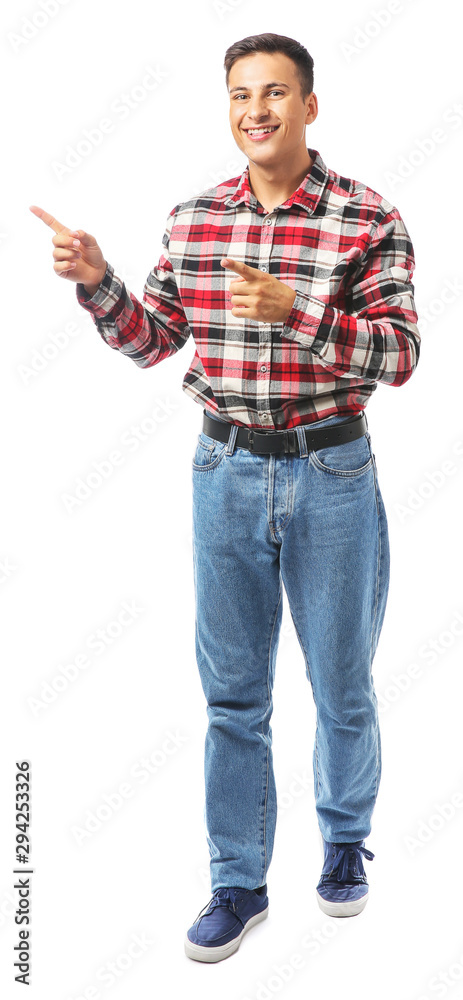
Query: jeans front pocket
point(353, 458)
point(208, 453)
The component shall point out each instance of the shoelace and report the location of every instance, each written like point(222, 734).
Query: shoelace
point(348, 855)
point(221, 897)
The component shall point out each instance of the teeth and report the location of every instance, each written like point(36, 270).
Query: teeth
point(259, 131)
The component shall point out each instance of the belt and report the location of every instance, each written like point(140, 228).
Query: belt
point(267, 442)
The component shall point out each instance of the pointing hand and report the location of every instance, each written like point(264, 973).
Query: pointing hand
point(77, 254)
point(258, 295)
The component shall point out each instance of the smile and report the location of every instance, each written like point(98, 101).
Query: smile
point(261, 133)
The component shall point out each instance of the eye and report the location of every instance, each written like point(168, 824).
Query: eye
point(272, 92)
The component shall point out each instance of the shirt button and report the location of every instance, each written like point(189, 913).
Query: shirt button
point(265, 416)
point(268, 222)
point(263, 368)
point(262, 269)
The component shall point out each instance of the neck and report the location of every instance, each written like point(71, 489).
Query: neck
point(275, 183)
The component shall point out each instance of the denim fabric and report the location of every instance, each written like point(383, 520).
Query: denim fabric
point(314, 523)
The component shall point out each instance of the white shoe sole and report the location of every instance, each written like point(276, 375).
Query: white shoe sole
point(349, 908)
point(201, 953)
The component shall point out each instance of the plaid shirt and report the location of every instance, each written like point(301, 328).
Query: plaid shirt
point(343, 248)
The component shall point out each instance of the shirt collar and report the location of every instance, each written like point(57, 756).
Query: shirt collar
point(308, 193)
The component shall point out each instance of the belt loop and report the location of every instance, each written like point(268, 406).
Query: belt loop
point(302, 441)
point(231, 439)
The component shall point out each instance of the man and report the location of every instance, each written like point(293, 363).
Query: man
point(296, 285)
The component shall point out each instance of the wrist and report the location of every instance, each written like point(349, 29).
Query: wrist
point(92, 287)
point(291, 300)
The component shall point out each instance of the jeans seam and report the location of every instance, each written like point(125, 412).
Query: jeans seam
point(313, 695)
point(375, 615)
point(269, 693)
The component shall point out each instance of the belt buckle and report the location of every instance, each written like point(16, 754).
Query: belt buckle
point(251, 442)
point(290, 440)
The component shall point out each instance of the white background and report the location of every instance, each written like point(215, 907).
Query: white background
point(383, 89)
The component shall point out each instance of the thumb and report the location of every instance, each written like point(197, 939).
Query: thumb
point(84, 237)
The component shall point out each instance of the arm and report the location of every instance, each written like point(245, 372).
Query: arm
point(147, 331)
point(377, 339)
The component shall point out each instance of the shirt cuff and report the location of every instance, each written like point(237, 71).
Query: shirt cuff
point(106, 296)
point(304, 322)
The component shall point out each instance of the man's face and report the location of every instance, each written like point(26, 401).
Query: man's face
point(264, 90)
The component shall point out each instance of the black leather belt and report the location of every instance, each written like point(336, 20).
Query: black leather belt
point(267, 442)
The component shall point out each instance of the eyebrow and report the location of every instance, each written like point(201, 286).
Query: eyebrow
point(264, 86)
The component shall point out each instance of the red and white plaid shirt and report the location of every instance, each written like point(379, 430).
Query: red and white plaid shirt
point(342, 247)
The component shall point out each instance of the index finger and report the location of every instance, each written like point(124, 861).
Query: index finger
point(240, 267)
point(48, 219)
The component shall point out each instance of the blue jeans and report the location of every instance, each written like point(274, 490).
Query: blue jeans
point(316, 523)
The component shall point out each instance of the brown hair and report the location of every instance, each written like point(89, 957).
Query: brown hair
point(270, 42)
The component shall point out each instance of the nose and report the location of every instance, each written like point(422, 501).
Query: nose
point(257, 109)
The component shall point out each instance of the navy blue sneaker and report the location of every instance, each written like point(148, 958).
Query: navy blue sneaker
point(217, 932)
point(343, 888)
